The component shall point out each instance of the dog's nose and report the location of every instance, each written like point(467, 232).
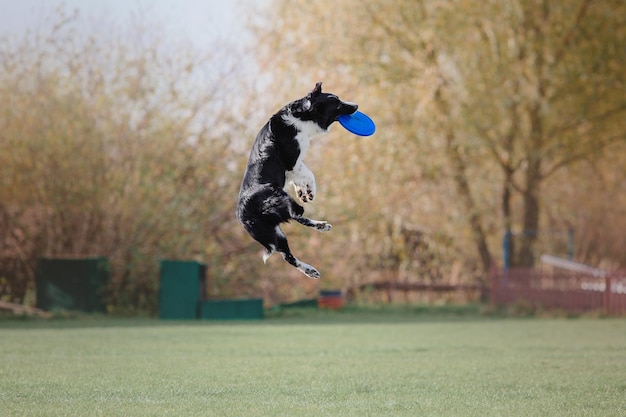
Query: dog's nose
point(352, 106)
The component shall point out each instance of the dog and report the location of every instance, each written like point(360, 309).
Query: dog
point(276, 162)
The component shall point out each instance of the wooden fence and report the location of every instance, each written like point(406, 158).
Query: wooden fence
point(403, 291)
point(555, 289)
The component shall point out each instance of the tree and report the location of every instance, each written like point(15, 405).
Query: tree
point(110, 148)
point(507, 93)
point(562, 104)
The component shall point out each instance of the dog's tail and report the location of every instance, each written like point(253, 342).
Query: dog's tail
point(268, 252)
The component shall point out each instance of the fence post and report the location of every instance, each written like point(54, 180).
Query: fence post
point(493, 274)
point(607, 295)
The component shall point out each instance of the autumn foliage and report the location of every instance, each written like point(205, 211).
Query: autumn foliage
point(493, 117)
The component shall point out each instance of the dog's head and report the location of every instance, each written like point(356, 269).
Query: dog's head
point(321, 108)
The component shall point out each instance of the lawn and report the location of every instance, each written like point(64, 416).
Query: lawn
point(345, 364)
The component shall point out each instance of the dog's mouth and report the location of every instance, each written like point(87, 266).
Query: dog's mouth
point(347, 107)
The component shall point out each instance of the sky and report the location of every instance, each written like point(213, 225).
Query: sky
point(198, 21)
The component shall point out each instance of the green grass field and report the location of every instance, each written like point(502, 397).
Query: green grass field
point(324, 364)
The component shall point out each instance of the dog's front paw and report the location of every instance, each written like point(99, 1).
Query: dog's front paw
point(305, 193)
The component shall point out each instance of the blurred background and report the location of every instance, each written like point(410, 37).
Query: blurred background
point(125, 127)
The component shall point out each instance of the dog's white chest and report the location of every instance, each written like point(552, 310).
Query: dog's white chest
point(307, 130)
point(301, 177)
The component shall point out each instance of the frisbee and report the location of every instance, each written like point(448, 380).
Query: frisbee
point(357, 123)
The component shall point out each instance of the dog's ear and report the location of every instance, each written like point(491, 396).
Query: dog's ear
point(317, 89)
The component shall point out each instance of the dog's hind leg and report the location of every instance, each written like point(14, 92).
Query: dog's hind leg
point(296, 213)
point(322, 226)
point(283, 247)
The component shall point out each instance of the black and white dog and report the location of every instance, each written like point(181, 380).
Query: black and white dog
point(275, 161)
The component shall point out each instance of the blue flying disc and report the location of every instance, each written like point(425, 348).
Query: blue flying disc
point(357, 123)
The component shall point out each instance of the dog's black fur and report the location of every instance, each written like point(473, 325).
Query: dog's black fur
point(276, 160)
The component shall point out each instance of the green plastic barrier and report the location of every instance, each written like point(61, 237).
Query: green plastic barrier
point(72, 284)
point(246, 309)
point(182, 288)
